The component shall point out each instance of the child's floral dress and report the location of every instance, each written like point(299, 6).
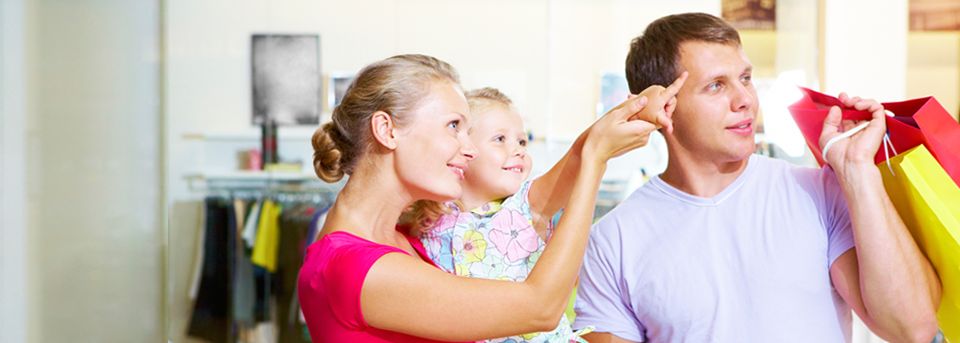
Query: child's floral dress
point(494, 241)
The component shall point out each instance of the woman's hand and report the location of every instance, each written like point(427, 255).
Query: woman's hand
point(628, 126)
point(661, 103)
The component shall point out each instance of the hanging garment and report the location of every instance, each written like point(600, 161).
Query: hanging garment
point(244, 287)
point(211, 313)
point(294, 226)
point(268, 236)
point(250, 227)
point(239, 211)
point(198, 261)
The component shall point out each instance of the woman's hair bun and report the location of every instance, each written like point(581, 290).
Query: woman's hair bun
point(327, 152)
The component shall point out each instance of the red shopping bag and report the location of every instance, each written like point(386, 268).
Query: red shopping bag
point(915, 122)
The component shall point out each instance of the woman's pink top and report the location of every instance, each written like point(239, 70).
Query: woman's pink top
point(329, 288)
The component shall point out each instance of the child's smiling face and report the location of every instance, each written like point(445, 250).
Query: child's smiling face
point(501, 162)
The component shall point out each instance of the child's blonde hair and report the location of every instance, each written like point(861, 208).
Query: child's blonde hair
point(482, 100)
point(423, 214)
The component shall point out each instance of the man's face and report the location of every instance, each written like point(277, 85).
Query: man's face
point(717, 106)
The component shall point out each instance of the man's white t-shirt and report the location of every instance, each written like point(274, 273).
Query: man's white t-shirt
point(751, 264)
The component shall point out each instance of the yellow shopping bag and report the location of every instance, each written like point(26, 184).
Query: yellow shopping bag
point(929, 203)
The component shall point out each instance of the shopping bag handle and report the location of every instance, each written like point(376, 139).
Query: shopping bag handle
point(887, 144)
point(842, 136)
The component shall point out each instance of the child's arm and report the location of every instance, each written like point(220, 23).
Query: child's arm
point(547, 195)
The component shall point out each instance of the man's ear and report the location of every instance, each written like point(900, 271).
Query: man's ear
point(382, 126)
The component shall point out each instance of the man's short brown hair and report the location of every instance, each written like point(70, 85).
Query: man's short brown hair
point(654, 56)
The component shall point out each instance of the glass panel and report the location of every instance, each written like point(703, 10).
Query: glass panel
point(93, 166)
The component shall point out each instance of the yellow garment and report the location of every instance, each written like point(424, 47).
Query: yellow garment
point(268, 237)
point(571, 314)
point(929, 203)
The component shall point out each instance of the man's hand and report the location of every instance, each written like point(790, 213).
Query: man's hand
point(859, 148)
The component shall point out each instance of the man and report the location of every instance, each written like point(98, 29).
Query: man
point(727, 246)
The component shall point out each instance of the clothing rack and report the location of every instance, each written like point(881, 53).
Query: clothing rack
point(301, 198)
point(267, 183)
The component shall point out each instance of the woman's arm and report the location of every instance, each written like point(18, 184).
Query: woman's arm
point(547, 195)
point(403, 294)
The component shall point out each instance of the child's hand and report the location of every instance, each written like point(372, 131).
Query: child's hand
point(660, 104)
point(626, 126)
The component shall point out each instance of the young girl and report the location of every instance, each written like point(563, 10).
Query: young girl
point(507, 226)
point(401, 134)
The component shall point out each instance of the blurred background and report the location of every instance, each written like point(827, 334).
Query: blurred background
point(130, 129)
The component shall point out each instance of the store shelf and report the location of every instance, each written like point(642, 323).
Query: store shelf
point(253, 134)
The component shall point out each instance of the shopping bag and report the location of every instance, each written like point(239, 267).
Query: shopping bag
point(929, 203)
point(918, 121)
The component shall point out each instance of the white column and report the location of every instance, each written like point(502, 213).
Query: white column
point(865, 48)
point(13, 237)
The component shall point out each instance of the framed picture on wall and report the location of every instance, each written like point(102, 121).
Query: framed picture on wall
point(613, 91)
point(286, 79)
point(934, 15)
point(750, 14)
point(337, 84)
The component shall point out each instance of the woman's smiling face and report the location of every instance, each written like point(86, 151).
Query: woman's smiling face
point(433, 149)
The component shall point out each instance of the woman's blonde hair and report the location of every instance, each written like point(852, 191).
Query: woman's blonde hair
point(396, 86)
point(424, 213)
